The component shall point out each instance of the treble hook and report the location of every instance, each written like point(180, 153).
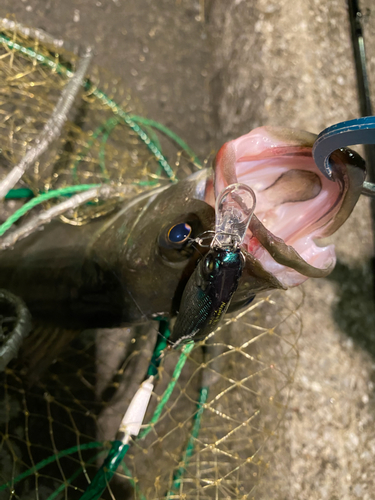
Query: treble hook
point(341, 135)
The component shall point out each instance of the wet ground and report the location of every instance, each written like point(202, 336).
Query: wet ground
point(212, 70)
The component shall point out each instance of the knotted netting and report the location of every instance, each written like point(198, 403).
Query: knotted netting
point(220, 431)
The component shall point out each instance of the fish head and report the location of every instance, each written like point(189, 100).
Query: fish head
point(295, 207)
point(157, 252)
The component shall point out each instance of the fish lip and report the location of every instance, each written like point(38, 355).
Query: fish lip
point(281, 256)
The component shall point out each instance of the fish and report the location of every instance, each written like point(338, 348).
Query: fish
point(133, 265)
point(231, 402)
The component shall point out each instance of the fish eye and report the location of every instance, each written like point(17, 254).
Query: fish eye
point(179, 233)
point(209, 263)
point(174, 240)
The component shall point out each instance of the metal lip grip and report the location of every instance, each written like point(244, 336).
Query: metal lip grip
point(341, 135)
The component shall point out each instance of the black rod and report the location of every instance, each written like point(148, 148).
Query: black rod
point(358, 43)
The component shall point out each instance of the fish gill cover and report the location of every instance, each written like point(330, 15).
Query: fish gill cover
point(220, 434)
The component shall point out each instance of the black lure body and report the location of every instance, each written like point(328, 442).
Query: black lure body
point(207, 295)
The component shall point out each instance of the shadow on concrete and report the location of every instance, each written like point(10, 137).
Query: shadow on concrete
point(354, 310)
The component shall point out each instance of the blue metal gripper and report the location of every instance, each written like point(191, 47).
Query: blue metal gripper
point(348, 133)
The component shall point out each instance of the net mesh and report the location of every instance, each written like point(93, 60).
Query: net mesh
point(248, 369)
point(221, 429)
point(94, 137)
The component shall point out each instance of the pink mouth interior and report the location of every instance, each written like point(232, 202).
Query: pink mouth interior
point(294, 206)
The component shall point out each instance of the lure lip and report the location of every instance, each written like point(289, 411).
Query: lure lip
point(234, 208)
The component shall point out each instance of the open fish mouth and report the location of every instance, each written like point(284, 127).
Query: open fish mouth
point(296, 205)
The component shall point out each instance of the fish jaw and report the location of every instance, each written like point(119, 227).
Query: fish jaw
point(296, 204)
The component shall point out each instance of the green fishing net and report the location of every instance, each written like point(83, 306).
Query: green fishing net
point(221, 430)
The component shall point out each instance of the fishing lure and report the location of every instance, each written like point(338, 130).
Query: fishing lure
point(209, 291)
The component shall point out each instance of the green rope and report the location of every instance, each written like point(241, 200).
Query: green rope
point(40, 199)
point(169, 133)
point(203, 395)
point(161, 344)
point(15, 194)
point(167, 393)
point(107, 470)
point(49, 460)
